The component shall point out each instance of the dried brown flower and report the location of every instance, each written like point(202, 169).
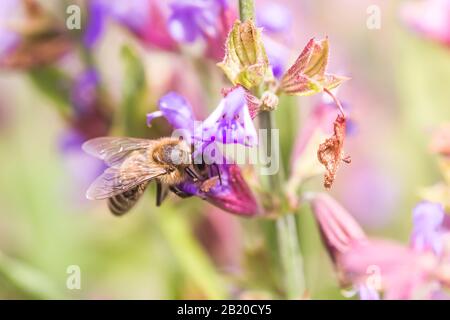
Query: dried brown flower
point(331, 152)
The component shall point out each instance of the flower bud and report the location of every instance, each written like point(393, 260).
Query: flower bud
point(338, 228)
point(245, 60)
point(307, 75)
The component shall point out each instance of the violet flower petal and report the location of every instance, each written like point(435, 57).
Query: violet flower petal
point(95, 25)
point(84, 91)
point(368, 293)
point(176, 110)
point(428, 218)
point(230, 122)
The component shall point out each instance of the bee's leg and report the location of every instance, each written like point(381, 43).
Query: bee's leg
point(179, 193)
point(161, 193)
point(218, 172)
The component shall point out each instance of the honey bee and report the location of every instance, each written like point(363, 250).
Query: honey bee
point(133, 163)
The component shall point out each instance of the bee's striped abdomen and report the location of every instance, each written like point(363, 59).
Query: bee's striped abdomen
point(123, 202)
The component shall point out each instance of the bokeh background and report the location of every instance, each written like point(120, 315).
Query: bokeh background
point(398, 94)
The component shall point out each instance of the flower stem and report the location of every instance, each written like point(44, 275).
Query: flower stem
point(287, 235)
point(246, 9)
point(288, 240)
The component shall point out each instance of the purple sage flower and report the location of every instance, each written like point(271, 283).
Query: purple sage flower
point(88, 120)
point(229, 123)
point(177, 110)
point(232, 194)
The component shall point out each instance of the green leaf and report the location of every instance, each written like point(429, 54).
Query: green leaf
point(27, 279)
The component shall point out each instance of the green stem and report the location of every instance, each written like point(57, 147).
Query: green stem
point(246, 9)
point(288, 240)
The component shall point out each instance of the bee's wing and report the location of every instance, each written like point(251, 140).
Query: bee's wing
point(119, 179)
point(113, 150)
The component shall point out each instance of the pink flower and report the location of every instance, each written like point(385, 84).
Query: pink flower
point(338, 228)
point(403, 273)
point(340, 232)
point(440, 142)
point(418, 271)
point(430, 18)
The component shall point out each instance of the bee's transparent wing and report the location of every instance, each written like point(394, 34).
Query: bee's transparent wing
point(133, 170)
point(113, 150)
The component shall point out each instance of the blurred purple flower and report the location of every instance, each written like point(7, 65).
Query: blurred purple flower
point(9, 39)
point(369, 183)
point(90, 116)
point(427, 232)
point(277, 55)
point(84, 91)
point(81, 167)
point(431, 18)
point(276, 21)
point(144, 18)
point(208, 20)
point(193, 19)
point(274, 18)
point(87, 121)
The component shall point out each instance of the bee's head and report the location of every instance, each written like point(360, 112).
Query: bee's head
point(178, 154)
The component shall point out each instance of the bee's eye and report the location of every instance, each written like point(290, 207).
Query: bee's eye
point(178, 156)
